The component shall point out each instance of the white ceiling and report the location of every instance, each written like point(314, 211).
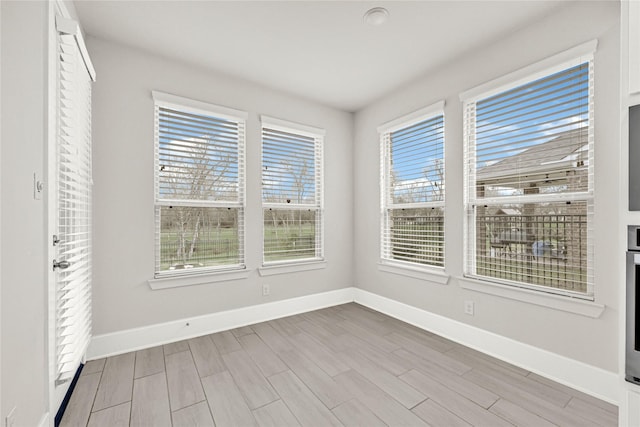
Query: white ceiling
point(320, 50)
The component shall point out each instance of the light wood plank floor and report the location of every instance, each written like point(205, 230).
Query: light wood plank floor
point(344, 365)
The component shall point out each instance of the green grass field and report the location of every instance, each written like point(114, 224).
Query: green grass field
point(221, 247)
point(296, 242)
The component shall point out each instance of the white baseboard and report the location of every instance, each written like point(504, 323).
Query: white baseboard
point(586, 378)
point(44, 421)
point(580, 376)
point(163, 333)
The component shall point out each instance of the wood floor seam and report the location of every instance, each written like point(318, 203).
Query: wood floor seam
point(93, 399)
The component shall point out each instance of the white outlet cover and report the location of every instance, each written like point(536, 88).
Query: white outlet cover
point(469, 307)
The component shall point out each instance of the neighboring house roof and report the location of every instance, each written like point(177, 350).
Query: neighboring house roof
point(565, 152)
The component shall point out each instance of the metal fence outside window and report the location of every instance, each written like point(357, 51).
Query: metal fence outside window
point(199, 253)
point(547, 250)
point(418, 239)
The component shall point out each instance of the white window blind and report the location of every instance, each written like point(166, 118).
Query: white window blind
point(291, 192)
point(74, 193)
point(200, 186)
point(529, 182)
point(413, 190)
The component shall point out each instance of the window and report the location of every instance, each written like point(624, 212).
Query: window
point(529, 181)
point(412, 188)
point(200, 186)
point(291, 192)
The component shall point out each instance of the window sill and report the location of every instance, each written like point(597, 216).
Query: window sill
point(198, 278)
point(435, 276)
point(273, 269)
point(553, 301)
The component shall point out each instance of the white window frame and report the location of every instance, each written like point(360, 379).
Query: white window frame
point(386, 202)
point(317, 261)
point(580, 54)
point(201, 108)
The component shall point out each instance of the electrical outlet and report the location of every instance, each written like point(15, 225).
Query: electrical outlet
point(10, 421)
point(265, 290)
point(469, 307)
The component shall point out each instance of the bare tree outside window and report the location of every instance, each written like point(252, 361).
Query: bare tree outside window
point(413, 192)
point(290, 195)
point(199, 211)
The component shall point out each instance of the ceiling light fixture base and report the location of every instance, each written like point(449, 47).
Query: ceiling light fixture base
point(376, 16)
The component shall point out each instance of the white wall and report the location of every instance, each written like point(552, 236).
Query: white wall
point(593, 341)
point(24, 378)
point(630, 400)
point(1, 412)
point(124, 192)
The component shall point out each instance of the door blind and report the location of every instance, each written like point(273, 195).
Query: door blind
point(413, 192)
point(291, 194)
point(73, 293)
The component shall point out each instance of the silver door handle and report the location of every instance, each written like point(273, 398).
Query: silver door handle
point(62, 265)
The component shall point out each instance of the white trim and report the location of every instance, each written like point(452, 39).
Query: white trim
point(180, 104)
point(387, 204)
point(55, 392)
point(57, 12)
point(435, 275)
point(268, 125)
point(527, 75)
point(630, 417)
point(561, 61)
point(589, 379)
point(560, 302)
point(163, 333)
point(70, 27)
point(272, 269)
point(287, 126)
point(433, 110)
point(202, 278)
point(48, 131)
point(198, 107)
point(44, 421)
point(634, 46)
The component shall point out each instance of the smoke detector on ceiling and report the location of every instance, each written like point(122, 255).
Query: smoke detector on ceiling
point(376, 16)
